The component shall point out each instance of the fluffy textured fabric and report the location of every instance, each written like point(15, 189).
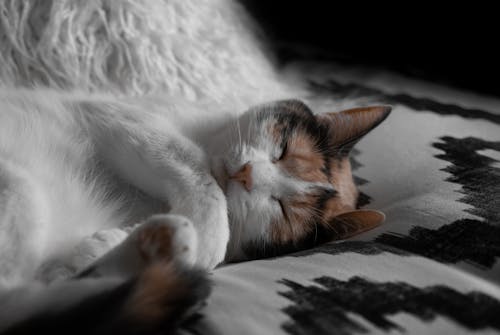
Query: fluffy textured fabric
point(195, 48)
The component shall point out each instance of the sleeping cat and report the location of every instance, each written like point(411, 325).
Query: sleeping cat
point(167, 192)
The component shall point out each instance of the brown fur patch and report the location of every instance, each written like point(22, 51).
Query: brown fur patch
point(163, 296)
point(352, 223)
point(276, 131)
point(302, 211)
point(157, 292)
point(297, 223)
point(318, 152)
point(302, 160)
point(347, 192)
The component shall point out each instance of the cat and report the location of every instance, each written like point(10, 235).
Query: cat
point(170, 189)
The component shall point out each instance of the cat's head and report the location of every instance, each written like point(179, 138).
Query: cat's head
point(287, 177)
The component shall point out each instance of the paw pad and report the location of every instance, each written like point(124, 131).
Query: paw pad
point(155, 242)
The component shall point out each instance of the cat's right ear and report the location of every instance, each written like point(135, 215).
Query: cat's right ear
point(347, 127)
point(355, 222)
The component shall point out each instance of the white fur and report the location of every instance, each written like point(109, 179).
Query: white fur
point(74, 165)
point(43, 158)
point(63, 164)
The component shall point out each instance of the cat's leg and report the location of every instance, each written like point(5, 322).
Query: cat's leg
point(152, 155)
point(83, 255)
point(161, 238)
point(146, 281)
point(186, 184)
point(23, 224)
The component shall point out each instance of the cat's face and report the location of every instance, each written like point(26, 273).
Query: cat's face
point(287, 177)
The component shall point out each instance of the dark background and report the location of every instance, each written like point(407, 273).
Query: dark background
point(455, 44)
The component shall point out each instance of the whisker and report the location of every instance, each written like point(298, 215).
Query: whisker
point(240, 142)
point(315, 231)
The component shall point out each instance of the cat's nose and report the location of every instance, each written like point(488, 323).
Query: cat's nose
point(244, 176)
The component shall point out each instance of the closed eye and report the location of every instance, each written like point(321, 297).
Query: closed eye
point(282, 206)
point(284, 151)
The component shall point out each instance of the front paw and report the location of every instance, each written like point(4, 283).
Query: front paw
point(161, 238)
point(204, 204)
point(209, 216)
point(83, 255)
point(167, 238)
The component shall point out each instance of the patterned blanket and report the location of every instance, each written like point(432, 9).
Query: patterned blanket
point(434, 168)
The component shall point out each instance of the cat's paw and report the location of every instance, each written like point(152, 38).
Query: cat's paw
point(93, 247)
point(167, 237)
point(161, 238)
point(88, 251)
point(211, 221)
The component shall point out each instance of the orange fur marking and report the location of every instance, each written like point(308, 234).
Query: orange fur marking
point(347, 192)
point(157, 291)
point(299, 211)
point(352, 223)
point(303, 161)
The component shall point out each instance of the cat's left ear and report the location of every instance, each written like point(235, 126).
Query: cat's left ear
point(354, 222)
point(346, 128)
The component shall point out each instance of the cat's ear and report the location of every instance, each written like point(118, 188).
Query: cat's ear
point(346, 128)
point(354, 222)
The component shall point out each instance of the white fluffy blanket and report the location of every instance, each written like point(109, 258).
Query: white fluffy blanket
point(195, 48)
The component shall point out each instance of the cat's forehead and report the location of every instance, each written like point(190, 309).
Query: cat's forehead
point(287, 115)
